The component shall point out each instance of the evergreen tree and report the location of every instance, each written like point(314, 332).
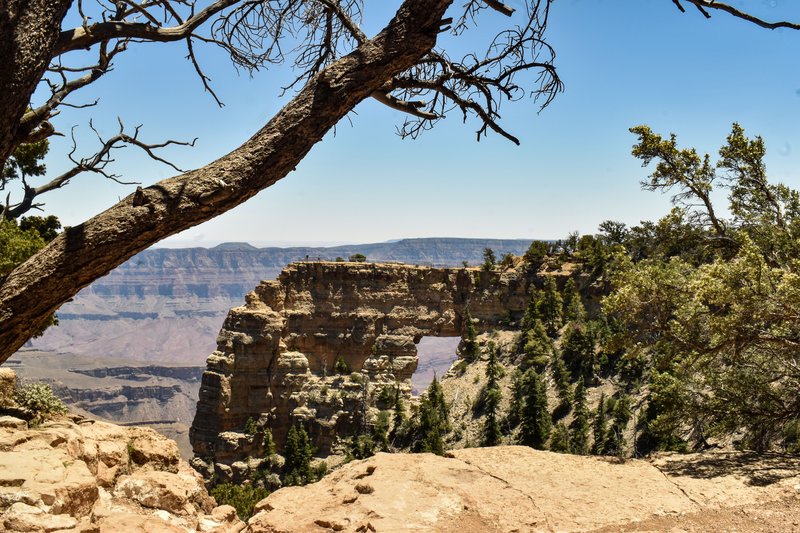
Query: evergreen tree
point(599, 427)
point(535, 423)
point(531, 311)
point(469, 339)
point(559, 439)
point(399, 417)
point(537, 345)
point(433, 421)
point(489, 259)
point(298, 452)
point(574, 311)
point(561, 379)
point(579, 428)
point(550, 305)
point(578, 348)
point(514, 416)
point(380, 432)
point(620, 416)
point(491, 426)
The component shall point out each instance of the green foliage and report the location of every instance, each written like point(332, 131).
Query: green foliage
point(469, 339)
point(559, 439)
point(507, 261)
point(579, 427)
point(620, 416)
point(537, 345)
point(339, 259)
point(433, 421)
point(250, 427)
point(599, 427)
point(358, 258)
point(16, 245)
point(514, 415)
point(489, 259)
point(242, 497)
point(399, 414)
point(535, 421)
point(297, 452)
point(574, 311)
point(38, 398)
point(492, 397)
point(536, 254)
point(578, 349)
point(562, 381)
point(550, 306)
point(46, 227)
point(26, 161)
point(340, 366)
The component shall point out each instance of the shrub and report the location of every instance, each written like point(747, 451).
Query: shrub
point(38, 398)
point(358, 258)
point(243, 498)
point(340, 366)
point(250, 427)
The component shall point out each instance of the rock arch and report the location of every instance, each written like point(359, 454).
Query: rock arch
point(276, 354)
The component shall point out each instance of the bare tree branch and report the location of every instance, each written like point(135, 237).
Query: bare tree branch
point(89, 35)
point(705, 5)
point(96, 163)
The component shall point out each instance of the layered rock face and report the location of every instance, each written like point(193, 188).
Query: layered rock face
point(276, 359)
point(74, 474)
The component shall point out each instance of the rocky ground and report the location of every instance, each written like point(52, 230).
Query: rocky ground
point(519, 489)
point(79, 475)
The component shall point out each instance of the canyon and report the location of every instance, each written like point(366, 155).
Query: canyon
point(163, 309)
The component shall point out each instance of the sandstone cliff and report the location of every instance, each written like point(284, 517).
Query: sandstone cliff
point(276, 355)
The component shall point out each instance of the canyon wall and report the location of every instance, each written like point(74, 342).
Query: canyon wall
point(276, 359)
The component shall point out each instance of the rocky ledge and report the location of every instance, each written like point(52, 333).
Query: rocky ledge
point(513, 488)
point(78, 475)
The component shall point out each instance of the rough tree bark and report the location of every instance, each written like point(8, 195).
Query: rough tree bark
point(29, 30)
point(84, 253)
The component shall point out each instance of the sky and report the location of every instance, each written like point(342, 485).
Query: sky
point(623, 63)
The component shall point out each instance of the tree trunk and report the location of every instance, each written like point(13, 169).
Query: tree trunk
point(83, 253)
point(29, 30)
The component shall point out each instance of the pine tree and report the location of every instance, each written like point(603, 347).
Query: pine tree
point(489, 259)
point(574, 311)
point(550, 306)
point(399, 418)
point(620, 415)
point(491, 426)
point(561, 379)
point(559, 439)
point(599, 427)
point(579, 428)
point(469, 339)
point(538, 345)
point(298, 452)
point(531, 311)
point(535, 423)
point(433, 421)
point(514, 416)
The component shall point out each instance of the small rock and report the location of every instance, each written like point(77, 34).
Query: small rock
point(11, 422)
point(364, 488)
point(23, 517)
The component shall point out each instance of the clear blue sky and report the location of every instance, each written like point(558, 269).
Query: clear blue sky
point(624, 62)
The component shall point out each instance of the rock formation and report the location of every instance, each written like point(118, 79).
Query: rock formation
point(71, 474)
point(277, 355)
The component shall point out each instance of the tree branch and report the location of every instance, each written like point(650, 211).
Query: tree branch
point(85, 252)
point(89, 35)
point(705, 5)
